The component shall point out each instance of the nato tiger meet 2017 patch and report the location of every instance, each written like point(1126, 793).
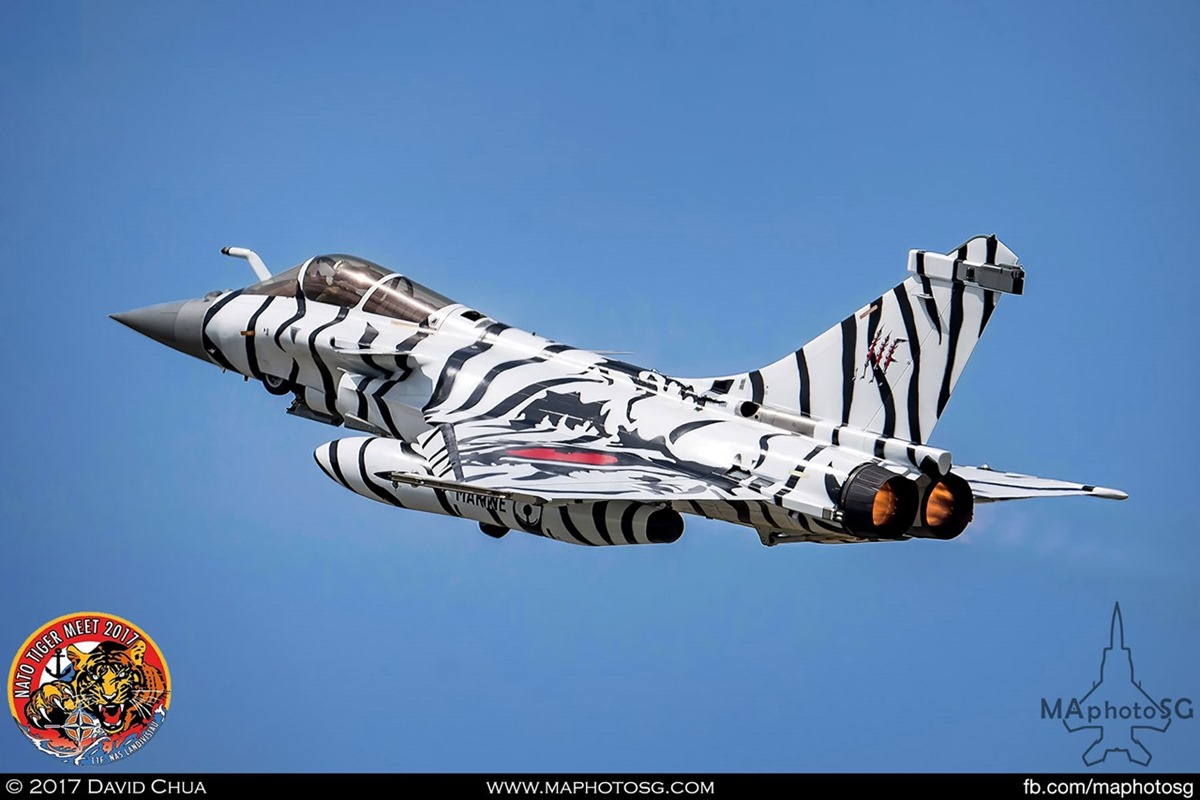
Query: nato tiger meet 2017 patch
point(89, 688)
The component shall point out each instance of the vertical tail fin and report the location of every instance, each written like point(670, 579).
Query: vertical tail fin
point(890, 367)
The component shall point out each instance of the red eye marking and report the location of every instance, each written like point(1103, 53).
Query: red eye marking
point(571, 456)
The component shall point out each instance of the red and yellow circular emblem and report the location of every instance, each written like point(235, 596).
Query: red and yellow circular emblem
point(89, 688)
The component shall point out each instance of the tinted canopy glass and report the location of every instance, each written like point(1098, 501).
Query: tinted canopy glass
point(345, 280)
point(404, 299)
point(285, 284)
point(340, 280)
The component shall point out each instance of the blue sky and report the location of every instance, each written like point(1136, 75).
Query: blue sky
point(706, 184)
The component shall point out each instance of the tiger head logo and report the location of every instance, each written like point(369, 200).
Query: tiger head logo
point(89, 695)
point(112, 683)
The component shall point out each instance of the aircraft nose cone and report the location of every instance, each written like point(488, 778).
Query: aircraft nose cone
point(178, 325)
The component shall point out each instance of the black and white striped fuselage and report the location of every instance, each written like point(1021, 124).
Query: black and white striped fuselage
point(467, 416)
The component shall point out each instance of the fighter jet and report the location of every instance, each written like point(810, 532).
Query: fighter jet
point(466, 416)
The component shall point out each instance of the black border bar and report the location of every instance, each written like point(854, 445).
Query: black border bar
point(106, 783)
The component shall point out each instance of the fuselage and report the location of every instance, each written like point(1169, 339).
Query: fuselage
point(369, 349)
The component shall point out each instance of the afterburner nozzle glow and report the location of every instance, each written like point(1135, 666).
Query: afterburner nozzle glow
point(884, 507)
point(940, 506)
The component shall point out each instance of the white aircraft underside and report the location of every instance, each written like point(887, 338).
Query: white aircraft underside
point(466, 416)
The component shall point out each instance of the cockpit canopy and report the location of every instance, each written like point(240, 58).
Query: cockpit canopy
point(351, 282)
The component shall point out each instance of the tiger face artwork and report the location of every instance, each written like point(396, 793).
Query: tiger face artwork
point(89, 696)
point(112, 683)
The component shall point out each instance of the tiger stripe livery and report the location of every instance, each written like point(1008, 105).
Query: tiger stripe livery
point(466, 416)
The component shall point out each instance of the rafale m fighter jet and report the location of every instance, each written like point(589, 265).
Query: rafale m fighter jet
point(469, 417)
